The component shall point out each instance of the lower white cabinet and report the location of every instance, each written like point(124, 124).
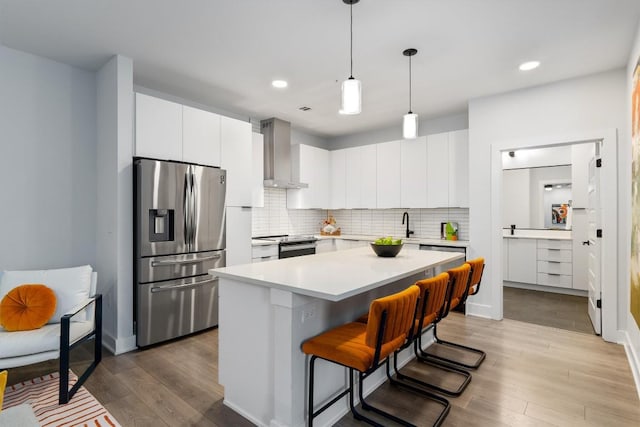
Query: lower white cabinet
point(342, 244)
point(238, 235)
point(546, 262)
point(522, 261)
point(263, 253)
point(325, 245)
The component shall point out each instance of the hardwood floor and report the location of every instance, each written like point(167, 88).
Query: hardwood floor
point(533, 376)
point(547, 309)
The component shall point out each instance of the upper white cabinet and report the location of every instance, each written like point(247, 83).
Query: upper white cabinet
point(360, 177)
point(448, 169)
point(236, 158)
point(169, 131)
point(337, 178)
point(413, 173)
point(311, 166)
point(459, 168)
point(158, 128)
point(388, 178)
point(200, 136)
point(257, 172)
point(438, 170)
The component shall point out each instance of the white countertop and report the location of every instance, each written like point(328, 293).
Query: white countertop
point(412, 240)
point(537, 234)
point(335, 276)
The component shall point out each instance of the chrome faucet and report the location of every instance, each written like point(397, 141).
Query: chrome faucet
point(408, 232)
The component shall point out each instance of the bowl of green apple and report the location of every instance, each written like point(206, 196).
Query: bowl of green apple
point(387, 247)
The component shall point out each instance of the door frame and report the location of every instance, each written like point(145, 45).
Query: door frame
point(608, 201)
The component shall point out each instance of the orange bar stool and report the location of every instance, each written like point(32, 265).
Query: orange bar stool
point(433, 295)
point(466, 280)
point(364, 347)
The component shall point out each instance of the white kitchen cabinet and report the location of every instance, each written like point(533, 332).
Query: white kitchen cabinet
point(257, 172)
point(505, 259)
point(236, 158)
point(522, 261)
point(388, 180)
point(448, 169)
point(238, 235)
point(325, 245)
point(580, 156)
point(311, 166)
point(368, 176)
point(343, 244)
point(263, 253)
point(413, 173)
point(200, 136)
point(360, 177)
point(438, 170)
point(459, 168)
point(158, 128)
point(337, 178)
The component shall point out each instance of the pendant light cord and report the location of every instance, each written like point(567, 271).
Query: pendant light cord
point(351, 43)
point(410, 112)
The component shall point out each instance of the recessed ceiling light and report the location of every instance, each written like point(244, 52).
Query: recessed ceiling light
point(527, 66)
point(279, 84)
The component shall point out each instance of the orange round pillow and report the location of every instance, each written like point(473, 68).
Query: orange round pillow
point(27, 307)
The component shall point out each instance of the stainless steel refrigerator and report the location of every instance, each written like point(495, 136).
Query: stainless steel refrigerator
point(179, 228)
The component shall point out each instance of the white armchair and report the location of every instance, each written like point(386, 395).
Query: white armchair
point(78, 318)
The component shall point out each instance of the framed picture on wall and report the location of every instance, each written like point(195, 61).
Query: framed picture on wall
point(559, 213)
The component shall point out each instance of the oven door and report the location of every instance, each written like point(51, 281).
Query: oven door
point(296, 249)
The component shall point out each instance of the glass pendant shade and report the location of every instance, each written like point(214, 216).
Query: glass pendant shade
point(410, 126)
point(351, 96)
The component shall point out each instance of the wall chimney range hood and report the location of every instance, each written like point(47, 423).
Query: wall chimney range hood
point(277, 154)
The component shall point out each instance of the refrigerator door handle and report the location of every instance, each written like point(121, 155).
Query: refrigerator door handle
point(184, 261)
point(194, 221)
point(183, 286)
point(185, 211)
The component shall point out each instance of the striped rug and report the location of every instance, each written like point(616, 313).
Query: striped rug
point(42, 394)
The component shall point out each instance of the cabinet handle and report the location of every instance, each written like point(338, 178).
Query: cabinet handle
point(555, 262)
point(586, 242)
point(553, 274)
point(553, 249)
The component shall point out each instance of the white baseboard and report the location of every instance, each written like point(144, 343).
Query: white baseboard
point(479, 310)
point(634, 361)
point(236, 408)
point(118, 345)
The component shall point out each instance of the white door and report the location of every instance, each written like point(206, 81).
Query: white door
point(594, 263)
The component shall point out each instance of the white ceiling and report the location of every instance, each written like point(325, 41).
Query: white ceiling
point(224, 53)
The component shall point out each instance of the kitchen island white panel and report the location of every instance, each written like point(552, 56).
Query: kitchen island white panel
point(267, 310)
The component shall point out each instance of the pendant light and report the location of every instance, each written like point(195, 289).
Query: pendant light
point(351, 88)
point(410, 120)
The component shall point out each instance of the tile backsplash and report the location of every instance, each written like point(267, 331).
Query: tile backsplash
point(274, 218)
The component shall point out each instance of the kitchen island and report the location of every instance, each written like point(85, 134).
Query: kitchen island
point(268, 309)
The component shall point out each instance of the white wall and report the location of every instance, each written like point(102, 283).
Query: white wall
point(47, 163)
point(537, 157)
point(632, 329)
point(394, 133)
point(114, 215)
point(577, 105)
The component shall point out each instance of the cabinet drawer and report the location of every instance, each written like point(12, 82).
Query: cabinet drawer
point(555, 267)
point(562, 255)
point(554, 244)
point(560, 280)
point(264, 258)
point(264, 251)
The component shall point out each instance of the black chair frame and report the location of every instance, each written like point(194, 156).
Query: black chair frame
point(450, 362)
point(416, 343)
point(66, 393)
point(361, 377)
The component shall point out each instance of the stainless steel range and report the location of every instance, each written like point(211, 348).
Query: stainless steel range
point(292, 246)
